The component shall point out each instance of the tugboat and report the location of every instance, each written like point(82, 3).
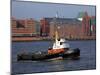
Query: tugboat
point(60, 50)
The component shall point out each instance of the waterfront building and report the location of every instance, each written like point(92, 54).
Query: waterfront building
point(93, 25)
point(65, 23)
point(69, 28)
point(25, 27)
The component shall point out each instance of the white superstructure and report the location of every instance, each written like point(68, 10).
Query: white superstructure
point(60, 42)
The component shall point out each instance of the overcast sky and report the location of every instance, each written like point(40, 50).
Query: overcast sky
point(37, 11)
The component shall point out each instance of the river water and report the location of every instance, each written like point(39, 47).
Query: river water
point(87, 59)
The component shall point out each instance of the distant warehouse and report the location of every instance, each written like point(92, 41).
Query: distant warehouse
point(83, 26)
point(68, 27)
point(25, 27)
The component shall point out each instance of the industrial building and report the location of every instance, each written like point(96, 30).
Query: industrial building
point(69, 27)
point(89, 25)
point(25, 27)
point(83, 27)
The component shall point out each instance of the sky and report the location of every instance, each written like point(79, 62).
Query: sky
point(23, 10)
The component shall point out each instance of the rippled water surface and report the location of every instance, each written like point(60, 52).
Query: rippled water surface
point(87, 57)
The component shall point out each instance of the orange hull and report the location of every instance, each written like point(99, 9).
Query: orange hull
point(55, 51)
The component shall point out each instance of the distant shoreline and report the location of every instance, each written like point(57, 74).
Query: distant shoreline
point(30, 39)
point(49, 40)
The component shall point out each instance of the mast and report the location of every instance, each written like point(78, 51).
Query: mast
point(56, 31)
point(56, 35)
point(56, 28)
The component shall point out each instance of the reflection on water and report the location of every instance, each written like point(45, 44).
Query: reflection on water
point(87, 57)
point(58, 67)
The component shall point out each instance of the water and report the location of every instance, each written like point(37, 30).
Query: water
point(87, 57)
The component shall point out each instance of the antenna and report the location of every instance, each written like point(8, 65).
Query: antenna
point(57, 14)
